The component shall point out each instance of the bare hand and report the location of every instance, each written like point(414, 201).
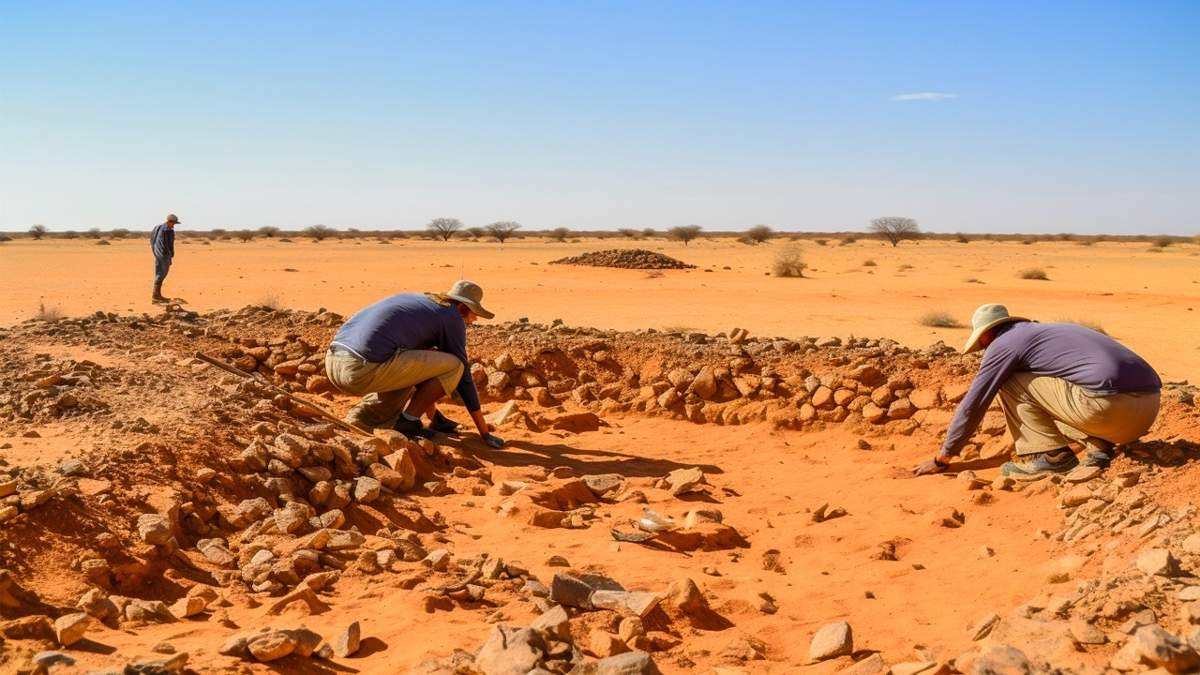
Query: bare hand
point(493, 441)
point(930, 467)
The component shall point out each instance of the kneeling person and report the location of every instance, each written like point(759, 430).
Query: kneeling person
point(1057, 382)
point(409, 349)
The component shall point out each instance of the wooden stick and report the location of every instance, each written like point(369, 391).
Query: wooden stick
point(279, 390)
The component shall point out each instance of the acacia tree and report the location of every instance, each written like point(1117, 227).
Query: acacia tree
point(684, 233)
point(443, 228)
point(559, 234)
point(896, 229)
point(318, 232)
point(268, 231)
point(37, 231)
point(475, 232)
point(627, 232)
point(503, 230)
point(759, 233)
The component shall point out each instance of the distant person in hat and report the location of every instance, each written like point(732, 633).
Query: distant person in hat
point(404, 353)
point(162, 243)
point(1058, 382)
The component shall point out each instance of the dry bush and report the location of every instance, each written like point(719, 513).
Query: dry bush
point(972, 280)
point(789, 263)
point(628, 233)
point(868, 263)
point(475, 232)
point(1163, 242)
point(896, 229)
point(119, 233)
point(1034, 274)
point(758, 234)
point(1084, 242)
point(443, 228)
point(1086, 324)
point(93, 233)
point(37, 232)
point(4, 238)
point(270, 301)
point(45, 313)
point(961, 238)
point(268, 231)
point(285, 240)
point(245, 235)
point(318, 232)
point(103, 242)
point(940, 320)
point(559, 234)
point(684, 233)
point(649, 233)
point(904, 268)
point(822, 242)
point(503, 230)
point(1027, 242)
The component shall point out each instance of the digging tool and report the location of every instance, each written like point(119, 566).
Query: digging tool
point(279, 390)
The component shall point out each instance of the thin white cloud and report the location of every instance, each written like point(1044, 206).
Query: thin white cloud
point(923, 96)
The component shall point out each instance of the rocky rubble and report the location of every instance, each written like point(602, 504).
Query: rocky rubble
point(625, 258)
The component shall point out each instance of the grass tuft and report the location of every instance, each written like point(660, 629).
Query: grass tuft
point(789, 263)
point(1034, 274)
point(45, 313)
point(940, 320)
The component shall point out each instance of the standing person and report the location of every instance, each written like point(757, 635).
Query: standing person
point(162, 243)
point(1058, 382)
point(410, 348)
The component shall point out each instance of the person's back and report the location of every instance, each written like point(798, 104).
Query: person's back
point(1077, 354)
point(402, 321)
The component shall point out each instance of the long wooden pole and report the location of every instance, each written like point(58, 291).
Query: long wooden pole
point(279, 390)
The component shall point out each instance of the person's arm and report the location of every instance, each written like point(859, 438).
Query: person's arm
point(170, 243)
point(455, 342)
point(998, 364)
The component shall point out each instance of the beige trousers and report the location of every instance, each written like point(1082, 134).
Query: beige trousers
point(386, 387)
point(1045, 413)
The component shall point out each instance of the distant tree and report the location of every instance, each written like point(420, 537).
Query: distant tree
point(218, 233)
point(119, 233)
point(503, 230)
point(245, 235)
point(559, 234)
point(961, 238)
point(684, 233)
point(93, 233)
point(896, 229)
point(759, 233)
point(70, 234)
point(268, 231)
point(37, 231)
point(628, 233)
point(649, 233)
point(320, 232)
point(443, 228)
point(475, 232)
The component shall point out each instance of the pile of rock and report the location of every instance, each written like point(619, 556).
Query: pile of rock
point(268, 644)
point(625, 258)
point(50, 389)
point(290, 358)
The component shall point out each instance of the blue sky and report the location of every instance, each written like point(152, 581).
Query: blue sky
point(1066, 116)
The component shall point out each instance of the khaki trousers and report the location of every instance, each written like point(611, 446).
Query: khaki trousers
point(386, 387)
point(1046, 413)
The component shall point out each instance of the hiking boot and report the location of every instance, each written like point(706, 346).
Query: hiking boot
point(1100, 453)
point(412, 428)
point(443, 424)
point(1032, 467)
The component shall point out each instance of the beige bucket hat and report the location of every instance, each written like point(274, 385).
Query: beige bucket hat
point(984, 319)
point(468, 293)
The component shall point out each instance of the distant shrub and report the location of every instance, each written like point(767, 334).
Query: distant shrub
point(475, 232)
point(503, 230)
point(4, 238)
point(789, 263)
point(846, 241)
point(904, 268)
point(45, 313)
point(1084, 242)
point(1034, 274)
point(1027, 242)
point(559, 234)
point(684, 233)
point(285, 240)
point(868, 263)
point(822, 242)
point(961, 238)
point(940, 320)
point(119, 233)
point(268, 231)
point(103, 242)
point(443, 228)
point(37, 232)
point(245, 235)
point(972, 280)
point(93, 233)
point(758, 234)
point(320, 232)
point(649, 233)
point(69, 234)
point(1163, 242)
point(1086, 324)
point(627, 232)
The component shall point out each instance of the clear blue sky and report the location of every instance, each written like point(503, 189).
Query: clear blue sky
point(1033, 117)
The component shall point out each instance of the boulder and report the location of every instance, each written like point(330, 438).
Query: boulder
point(70, 628)
point(831, 641)
point(154, 529)
point(510, 651)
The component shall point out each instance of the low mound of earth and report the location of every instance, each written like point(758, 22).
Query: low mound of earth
point(625, 258)
point(161, 514)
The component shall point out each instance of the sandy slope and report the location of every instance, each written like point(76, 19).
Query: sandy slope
point(1148, 300)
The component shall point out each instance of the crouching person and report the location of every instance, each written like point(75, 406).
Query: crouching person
point(403, 354)
point(1058, 383)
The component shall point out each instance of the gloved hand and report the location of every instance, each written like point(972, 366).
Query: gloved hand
point(493, 441)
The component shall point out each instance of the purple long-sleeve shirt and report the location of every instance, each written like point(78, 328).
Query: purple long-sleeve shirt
point(410, 321)
point(1078, 355)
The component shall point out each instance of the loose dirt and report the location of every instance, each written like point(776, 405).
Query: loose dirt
point(182, 507)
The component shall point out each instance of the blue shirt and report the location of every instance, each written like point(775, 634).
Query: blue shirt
point(410, 321)
point(1078, 355)
point(162, 242)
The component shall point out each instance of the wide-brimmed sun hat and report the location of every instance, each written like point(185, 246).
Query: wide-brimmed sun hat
point(468, 293)
point(984, 319)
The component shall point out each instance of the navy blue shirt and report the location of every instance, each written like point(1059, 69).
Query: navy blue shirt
point(410, 321)
point(162, 242)
point(1076, 354)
